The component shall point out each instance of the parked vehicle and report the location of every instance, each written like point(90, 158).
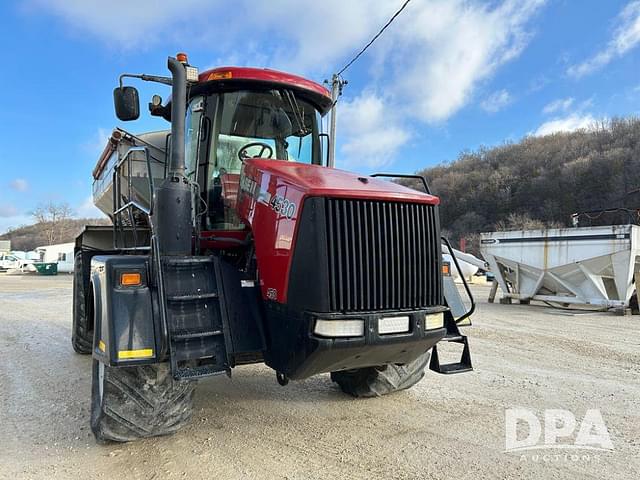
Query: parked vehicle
point(9, 261)
point(234, 241)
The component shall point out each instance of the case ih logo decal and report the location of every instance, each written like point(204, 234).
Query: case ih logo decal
point(251, 188)
point(278, 203)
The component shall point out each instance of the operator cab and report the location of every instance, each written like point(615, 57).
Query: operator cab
point(234, 118)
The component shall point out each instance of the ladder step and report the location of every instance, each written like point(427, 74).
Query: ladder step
point(464, 365)
point(453, 338)
point(197, 372)
point(190, 297)
point(187, 335)
point(455, 368)
point(186, 260)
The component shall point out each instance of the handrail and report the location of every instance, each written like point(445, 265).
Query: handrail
point(464, 282)
point(130, 205)
point(135, 204)
point(405, 175)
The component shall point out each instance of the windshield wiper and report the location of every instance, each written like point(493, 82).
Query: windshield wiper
point(298, 113)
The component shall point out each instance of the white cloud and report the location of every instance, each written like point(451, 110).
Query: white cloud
point(496, 101)
point(88, 210)
point(19, 185)
point(559, 105)
point(625, 38)
point(373, 133)
point(448, 47)
point(429, 63)
point(123, 23)
point(569, 123)
point(95, 145)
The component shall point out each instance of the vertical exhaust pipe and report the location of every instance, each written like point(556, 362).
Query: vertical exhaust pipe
point(172, 203)
point(178, 114)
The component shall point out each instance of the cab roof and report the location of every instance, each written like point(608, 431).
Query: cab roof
point(317, 93)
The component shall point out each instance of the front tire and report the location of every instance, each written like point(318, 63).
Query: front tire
point(382, 380)
point(129, 403)
point(82, 328)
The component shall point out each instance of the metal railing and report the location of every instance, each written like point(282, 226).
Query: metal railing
point(126, 209)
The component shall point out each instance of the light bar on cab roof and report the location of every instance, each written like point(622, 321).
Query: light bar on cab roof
point(192, 73)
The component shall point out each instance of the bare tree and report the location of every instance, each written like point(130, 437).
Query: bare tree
point(54, 220)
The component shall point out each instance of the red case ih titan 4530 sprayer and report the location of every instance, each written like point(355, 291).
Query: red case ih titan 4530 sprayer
point(235, 242)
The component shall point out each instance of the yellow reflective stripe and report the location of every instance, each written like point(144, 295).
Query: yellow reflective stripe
point(465, 323)
point(102, 346)
point(143, 353)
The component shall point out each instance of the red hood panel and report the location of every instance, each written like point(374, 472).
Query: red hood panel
point(271, 197)
point(321, 181)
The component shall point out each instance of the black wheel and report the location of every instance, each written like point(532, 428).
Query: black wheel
point(82, 328)
point(378, 381)
point(128, 403)
point(633, 303)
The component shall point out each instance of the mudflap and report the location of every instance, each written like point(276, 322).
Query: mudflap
point(458, 315)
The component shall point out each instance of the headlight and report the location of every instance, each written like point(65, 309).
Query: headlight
point(393, 325)
point(434, 320)
point(339, 328)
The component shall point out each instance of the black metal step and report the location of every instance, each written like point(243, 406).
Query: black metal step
point(195, 316)
point(197, 372)
point(191, 297)
point(464, 365)
point(453, 338)
point(187, 335)
point(451, 368)
point(171, 261)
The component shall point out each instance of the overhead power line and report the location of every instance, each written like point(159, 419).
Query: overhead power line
point(374, 38)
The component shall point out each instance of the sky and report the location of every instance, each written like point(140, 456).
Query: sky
point(447, 76)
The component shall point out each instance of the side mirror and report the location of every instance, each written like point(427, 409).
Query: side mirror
point(127, 103)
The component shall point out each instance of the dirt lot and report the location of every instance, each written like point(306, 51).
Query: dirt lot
point(250, 427)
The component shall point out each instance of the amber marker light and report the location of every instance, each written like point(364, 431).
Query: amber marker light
point(131, 279)
point(220, 75)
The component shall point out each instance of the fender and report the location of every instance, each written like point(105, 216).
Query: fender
point(127, 321)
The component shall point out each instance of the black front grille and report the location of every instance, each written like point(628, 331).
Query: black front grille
point(382, 255)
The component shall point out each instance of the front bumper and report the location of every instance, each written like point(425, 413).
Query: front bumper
point(311, 354)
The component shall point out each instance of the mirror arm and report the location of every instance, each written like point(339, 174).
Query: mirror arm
point(147, 78)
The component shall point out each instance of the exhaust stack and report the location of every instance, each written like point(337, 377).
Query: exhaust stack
point(172, 202)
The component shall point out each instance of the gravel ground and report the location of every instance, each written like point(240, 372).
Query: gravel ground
point(250, 427)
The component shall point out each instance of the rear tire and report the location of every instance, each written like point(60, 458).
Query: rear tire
point(382, 380)
point(82, 328)
point(129, 403)
point(633, 303)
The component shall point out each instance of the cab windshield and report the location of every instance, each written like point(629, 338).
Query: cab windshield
point(270, 124)
point(281, 125)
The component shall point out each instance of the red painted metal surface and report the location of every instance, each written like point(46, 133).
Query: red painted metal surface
point(223, 238)
point(275, 232)
point(315, 180)
point(264, 75)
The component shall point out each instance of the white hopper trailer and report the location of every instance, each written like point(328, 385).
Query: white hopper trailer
point(135, 156)
point(587, 265)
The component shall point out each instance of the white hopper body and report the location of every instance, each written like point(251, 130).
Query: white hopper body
point(587, 265)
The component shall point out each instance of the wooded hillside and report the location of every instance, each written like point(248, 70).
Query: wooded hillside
point(541, 181)
point(31, 236)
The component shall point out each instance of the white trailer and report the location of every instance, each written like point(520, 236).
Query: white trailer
point(469, 264)
point(588, 266)
point(62, 254)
